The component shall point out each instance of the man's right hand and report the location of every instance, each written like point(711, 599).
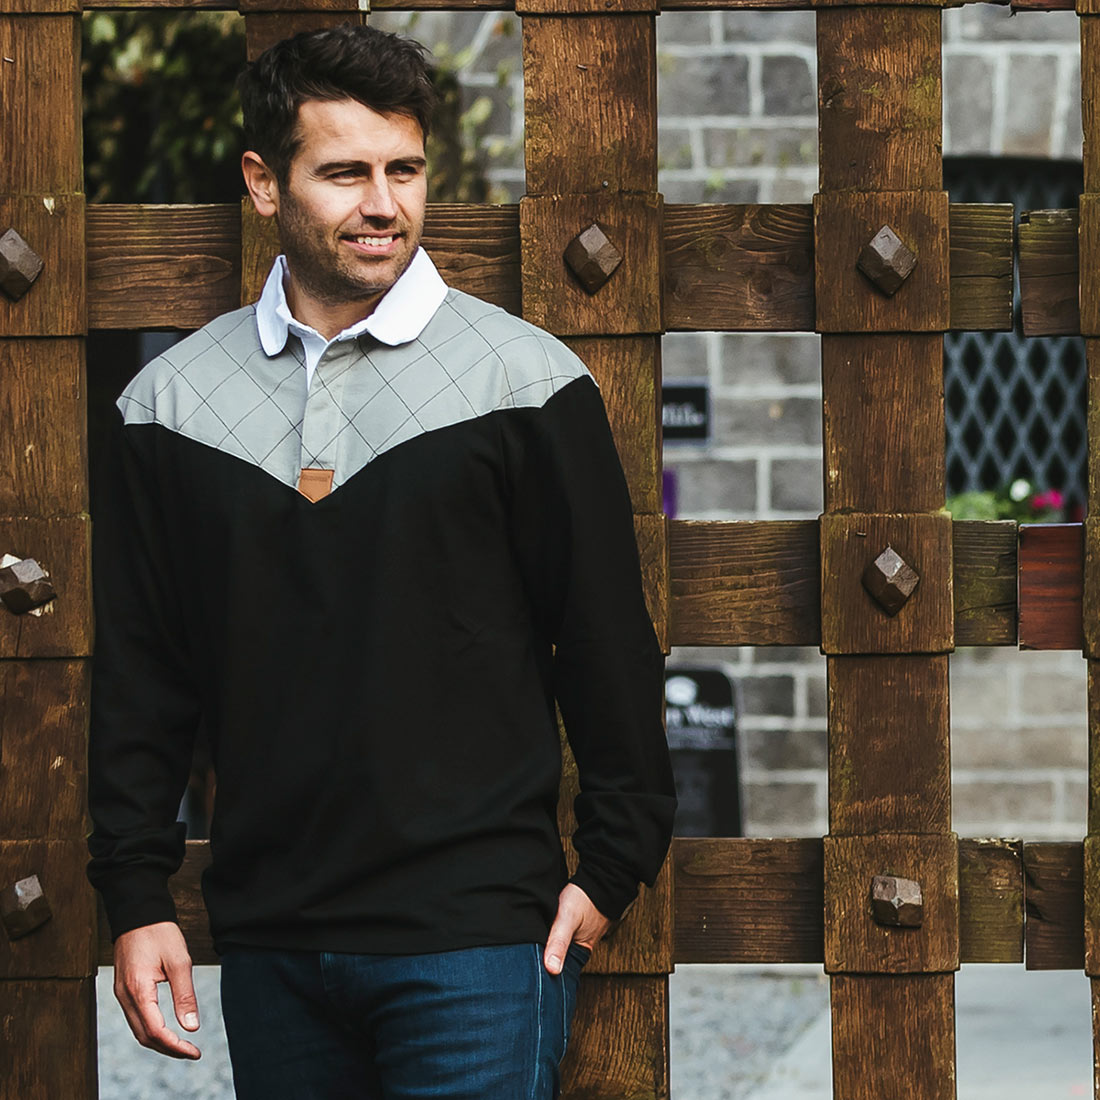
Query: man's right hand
point(144, 957)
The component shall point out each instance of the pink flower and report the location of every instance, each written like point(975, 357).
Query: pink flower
point(1050, 501)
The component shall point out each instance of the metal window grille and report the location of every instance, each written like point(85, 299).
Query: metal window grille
point(1015, 407)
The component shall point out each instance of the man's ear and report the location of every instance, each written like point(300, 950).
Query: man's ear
point(261, 184)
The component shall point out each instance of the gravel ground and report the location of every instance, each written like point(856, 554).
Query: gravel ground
point(729, 1024)
point(736, 1034)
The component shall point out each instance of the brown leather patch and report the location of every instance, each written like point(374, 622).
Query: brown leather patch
point(315, 484)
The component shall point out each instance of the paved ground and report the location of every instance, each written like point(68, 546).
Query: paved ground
point(737, 1034)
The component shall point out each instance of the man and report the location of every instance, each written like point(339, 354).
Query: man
point(366, 533)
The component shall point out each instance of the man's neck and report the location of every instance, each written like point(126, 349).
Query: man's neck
point(327, 318)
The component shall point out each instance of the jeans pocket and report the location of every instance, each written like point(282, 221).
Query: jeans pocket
point(575, 958)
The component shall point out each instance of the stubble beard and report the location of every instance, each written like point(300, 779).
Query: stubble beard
point(329, 278)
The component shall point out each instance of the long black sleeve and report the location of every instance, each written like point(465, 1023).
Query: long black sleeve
point(144, 711)
point(575, 537)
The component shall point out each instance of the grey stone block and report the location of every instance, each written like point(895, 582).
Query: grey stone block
point(782, 806)
point(968, 103)
point(714, 486)
point(767, 26)
point(674, 147)
point(796, 485)
point(765, 696)
point(766, 359)
point(708, 85)
point(1076, 809)
point(998, 805)
point(731, 190)
point(743, 421)
point(792, 189)
point(1024, 748)
point(684, 355)
point(788, 87)
point(817, 697)
point(784, 750)
point(1047, 692)
point(748, 146)
point(1071, 149)
point(681, 189)
point(683, 28)
point(988, 23)
point(1029, 112)
point(791, 654)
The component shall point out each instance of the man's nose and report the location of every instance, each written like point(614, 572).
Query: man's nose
point(378, 200)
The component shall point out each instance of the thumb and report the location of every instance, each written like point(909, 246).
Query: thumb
point(557, 943)
point(183, 995)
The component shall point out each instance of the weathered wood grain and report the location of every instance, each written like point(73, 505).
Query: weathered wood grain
point(1090, 112)
point(55, 303)
point(619, 1042)
point(981, 266)
point(179, 265)
point(739, 267)
point(880, 99)
point(844, 223)
point(627, 369)
point(991, 901)
point(1049, 272)
point(889, 748)
point(1054, 900)
point(1091, 876)
point(590, 88)
point(851, 621)
point(65, 946)
point(43, 447)
point(49, 1027)
point(40, 97)
point(893, 1037)
point(855, 943)
point(1089, 274)
point(43, 727)
point(883, 422)
point(985, 582)
point(753, 901)
point(264, 28)
point(651, 531)
point(60, 544)
point(629, 302)
point(749, 583)
point(1051, 585)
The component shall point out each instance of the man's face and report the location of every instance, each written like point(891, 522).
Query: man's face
point(352, 210)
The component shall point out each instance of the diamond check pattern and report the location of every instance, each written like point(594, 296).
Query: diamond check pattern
point(219, 388)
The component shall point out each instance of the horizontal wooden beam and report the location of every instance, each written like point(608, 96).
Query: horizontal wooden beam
point(727, 268)
point(509, 5)
point(758, 583)
point(762, 901)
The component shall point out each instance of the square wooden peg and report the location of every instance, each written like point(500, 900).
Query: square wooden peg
point(845, 224)
point(858, 943)
point(886, 583)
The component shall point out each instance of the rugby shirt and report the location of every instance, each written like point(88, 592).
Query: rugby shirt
point(376, 663)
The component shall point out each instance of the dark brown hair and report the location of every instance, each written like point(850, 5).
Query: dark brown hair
point(385, 72)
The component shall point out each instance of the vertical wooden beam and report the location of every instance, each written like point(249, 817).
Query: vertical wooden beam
point(47, 991)
point(591, 158)
point(889, 764)
point(1089, 252)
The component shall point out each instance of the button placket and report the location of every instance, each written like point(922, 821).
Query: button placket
point(324, 415)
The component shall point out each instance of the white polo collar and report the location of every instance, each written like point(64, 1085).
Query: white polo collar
point(400, 316)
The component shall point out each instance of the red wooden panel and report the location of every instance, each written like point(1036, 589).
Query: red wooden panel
point(1051, 584)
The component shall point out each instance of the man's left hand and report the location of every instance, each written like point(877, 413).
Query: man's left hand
point(578, 921)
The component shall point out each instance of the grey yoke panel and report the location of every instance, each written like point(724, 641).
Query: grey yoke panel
point(218, 387)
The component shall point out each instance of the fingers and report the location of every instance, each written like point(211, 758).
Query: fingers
point(138, 998)
point(144, 957)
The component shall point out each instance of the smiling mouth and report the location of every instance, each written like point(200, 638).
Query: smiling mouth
point(378, 242)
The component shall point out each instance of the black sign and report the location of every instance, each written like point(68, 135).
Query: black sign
point(701, 717)
point(685, 411)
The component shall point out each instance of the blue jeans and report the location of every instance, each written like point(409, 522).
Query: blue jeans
point(485, 1023)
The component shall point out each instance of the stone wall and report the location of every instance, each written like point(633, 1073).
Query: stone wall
point(738, 123)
